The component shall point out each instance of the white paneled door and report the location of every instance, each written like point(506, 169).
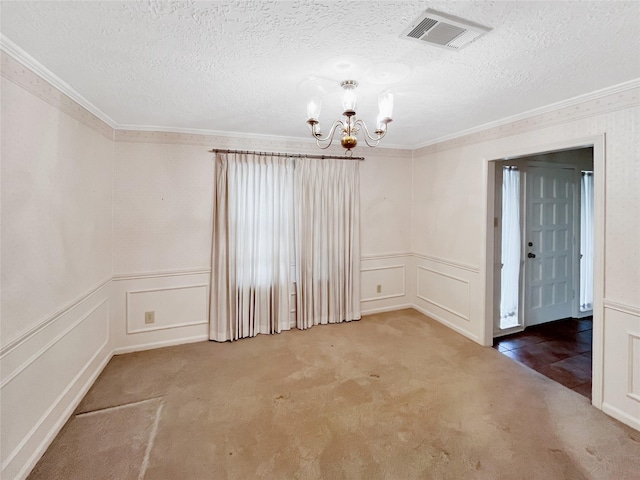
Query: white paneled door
point(550, 245)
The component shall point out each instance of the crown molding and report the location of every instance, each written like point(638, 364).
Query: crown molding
point(236, 135)
point(198, 136)
point(34, 65)
point(213, 133)
point(567, 103)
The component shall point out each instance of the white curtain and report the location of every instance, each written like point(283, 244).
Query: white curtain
point(327, 241)
point(269, 214)
point(511, 244)
point(586, 242)
point(252, 246)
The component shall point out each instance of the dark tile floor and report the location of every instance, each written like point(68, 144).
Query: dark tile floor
point(560, 350)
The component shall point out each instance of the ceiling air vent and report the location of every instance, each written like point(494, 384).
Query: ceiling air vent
point(444, 31)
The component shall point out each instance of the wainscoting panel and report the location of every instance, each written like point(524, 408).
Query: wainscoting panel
point(447, 292)
point(172, 307)
point(621, 398)
point(45, 376)
point(178, 299)
point(444, 291)
point(379, 283)
point(388, 274)
point(634, 365)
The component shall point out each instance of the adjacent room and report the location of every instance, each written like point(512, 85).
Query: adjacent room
point(319, 239)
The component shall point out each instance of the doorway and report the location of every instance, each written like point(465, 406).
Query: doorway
point(544, 274)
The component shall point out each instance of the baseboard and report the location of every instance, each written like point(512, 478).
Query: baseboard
point(621, 416)
point(448, 324)
point(64, 417)
point(165, 343)
point(392, 308)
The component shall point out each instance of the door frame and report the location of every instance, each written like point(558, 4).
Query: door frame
point(491, 305)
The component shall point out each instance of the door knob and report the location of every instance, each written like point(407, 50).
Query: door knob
point(531, 255)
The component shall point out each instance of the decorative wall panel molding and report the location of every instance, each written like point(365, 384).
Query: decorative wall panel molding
point(53, 373)
point(25, 336)
point(445, 291)
point(448, 262)
point(160, 274)
point(621, 307)
point(621, 385)
point(186, 302)
point(391, 278)
point(634, 366)
point(15, 71)
point(384, 256)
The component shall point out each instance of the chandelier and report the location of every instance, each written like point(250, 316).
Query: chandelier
point(350, 126)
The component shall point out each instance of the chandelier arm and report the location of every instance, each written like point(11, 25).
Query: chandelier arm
point(368, 136)
point(329, 137)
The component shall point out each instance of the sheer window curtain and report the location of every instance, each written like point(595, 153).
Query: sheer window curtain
point(586, 242)
point(269, 213)
point(252, 247)
point(327, 241)
point(511, 244)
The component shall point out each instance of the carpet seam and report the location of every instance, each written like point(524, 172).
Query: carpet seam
point(117, 407)
point(152, 437)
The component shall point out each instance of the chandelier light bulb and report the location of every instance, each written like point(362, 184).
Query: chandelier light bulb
point(385, 105)
point(313, 109)
point(349, 97)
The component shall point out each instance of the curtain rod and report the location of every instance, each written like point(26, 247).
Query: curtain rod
point(295, 155)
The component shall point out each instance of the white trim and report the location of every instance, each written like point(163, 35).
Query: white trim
point(447, 323)
point(392, 308)
point(50, 344)
point(46, 442)
point(599, 152)
point(164, 343)
point(173, 287)
point(27, 334)
point(630, 368)
point(618, 414)
point(433, 302)
point(384, 256)
point(63, 418)
point(446, 261)
point(166, 327)
point(159, 274)
point(384, 297)
point(595, 95)
point(621, 307)
point(47, 75)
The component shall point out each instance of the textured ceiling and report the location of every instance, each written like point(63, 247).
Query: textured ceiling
point(250, 66)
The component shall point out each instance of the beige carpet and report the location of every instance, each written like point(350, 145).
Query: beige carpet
point(394, 396)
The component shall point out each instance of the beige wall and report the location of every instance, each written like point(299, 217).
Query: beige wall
point(164, 195)
point(57, 179)
point(56, 209)
point(163, 200)
point(451, 182)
